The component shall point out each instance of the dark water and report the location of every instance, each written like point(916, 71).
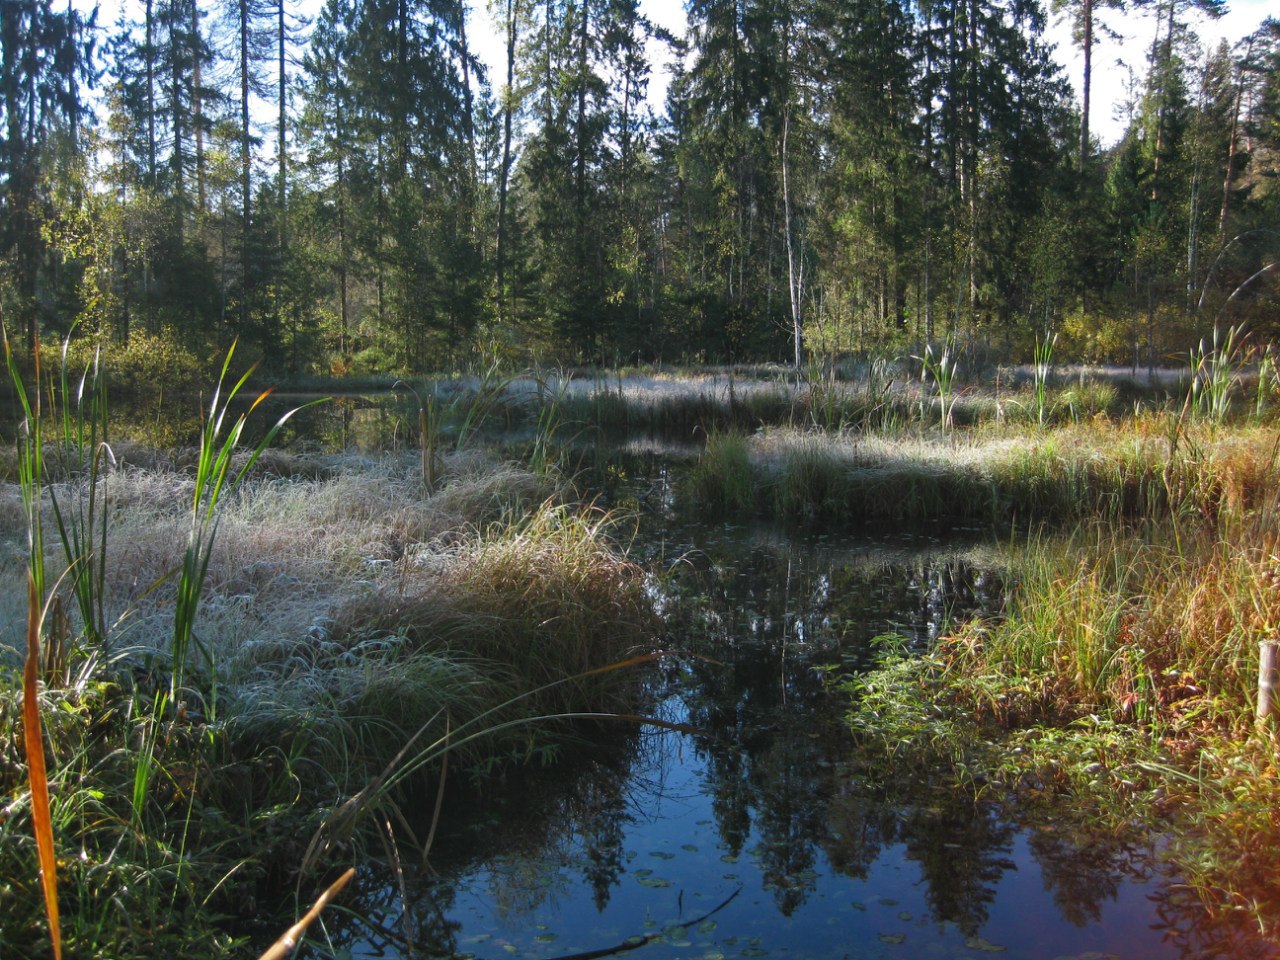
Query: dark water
point(766, 833)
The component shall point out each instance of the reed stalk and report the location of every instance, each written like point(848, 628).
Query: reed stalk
point(1043, 370)
point(1216, 373)
point(31, 478)
point(938, 374)
point(215, 479)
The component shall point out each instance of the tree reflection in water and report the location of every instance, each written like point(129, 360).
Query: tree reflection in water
point(792, 808)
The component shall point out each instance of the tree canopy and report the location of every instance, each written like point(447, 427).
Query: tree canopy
point(358, 193)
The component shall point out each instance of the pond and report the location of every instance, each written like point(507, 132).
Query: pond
point(759, 831)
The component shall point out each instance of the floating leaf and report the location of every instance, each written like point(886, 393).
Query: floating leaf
point(545, 938)
point(707, 926)
point(754, 952)
point(662, 854)
point(893, 938)
point(986, 946)
point(643, 872)
point(689, 848)
point(728, 858)
point(655, 882)
point(904, 915)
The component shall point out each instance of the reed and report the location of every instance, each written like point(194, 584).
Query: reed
point(1042, 371)
point(1216, 373)
point(938, 375)
point(214, 479)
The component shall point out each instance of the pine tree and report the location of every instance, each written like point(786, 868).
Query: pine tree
point(45, 58)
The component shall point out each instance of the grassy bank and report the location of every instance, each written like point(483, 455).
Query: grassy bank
point(1131, 468)
point(346, 617)
point(1119, 687)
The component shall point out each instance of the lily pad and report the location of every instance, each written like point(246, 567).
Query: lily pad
point(655, 882)
point(707, 926)
point(662, 854)
point(893, 938)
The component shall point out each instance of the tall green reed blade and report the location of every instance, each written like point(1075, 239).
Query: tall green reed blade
point(473, 413)
point(940, 370)
point(80, 523)
point(30, 462)
point(37, 774)
point(1043, 370)
point(428, 433)
point(550, 400)
point(1215, 373)
point(31, 482)
point(215, 478)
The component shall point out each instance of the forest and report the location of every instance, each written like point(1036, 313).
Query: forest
point(354, 193)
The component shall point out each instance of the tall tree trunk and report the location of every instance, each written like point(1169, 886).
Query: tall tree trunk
point(793, 272)
point(468, 121)
point(197, 104)
point(282, 124)
point(245, 164)
point(178, 161)
point(581, 243)
point(1229, 175)
point(1086, 16)
point(149, 57)
point(282, 170)
point(504, 175)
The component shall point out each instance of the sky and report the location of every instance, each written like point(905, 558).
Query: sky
point(1112, 59)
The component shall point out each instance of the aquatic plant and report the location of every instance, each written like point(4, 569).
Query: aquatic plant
point(216, 476)
point(723, 481)
point(1042, 371)
point(938, 376)
point(1216, 373)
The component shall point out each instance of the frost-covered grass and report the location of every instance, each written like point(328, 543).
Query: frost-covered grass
point(353, 628)
point(997, 475)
